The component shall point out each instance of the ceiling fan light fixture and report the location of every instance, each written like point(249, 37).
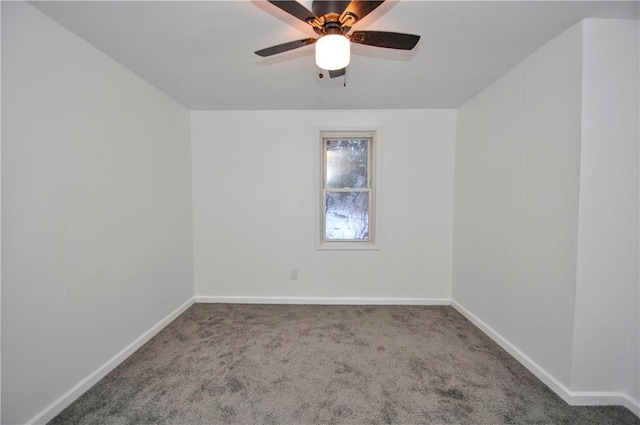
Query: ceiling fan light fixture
point(333, 52)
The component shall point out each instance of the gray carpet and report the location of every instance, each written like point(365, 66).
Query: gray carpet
point(286, 364)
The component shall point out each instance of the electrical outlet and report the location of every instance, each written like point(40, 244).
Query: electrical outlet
point(294, 274)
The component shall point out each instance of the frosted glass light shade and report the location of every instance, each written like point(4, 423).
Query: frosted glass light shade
point(333, 51)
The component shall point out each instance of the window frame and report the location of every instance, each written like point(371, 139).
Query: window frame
point(348, 244)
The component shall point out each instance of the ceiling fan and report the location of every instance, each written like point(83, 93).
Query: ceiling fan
point(332, 21)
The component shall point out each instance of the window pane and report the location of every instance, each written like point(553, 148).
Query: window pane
point(347, 163)
point(347, 216)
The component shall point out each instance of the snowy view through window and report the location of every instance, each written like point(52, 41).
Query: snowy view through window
point(347, 189)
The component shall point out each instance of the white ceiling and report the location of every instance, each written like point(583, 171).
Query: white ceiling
point(201, 53)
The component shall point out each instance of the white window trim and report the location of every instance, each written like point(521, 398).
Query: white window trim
point(321, 243)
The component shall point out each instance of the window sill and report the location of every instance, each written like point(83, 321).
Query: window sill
point(347, 247)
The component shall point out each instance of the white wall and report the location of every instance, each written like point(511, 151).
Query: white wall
point(255, 177)
point(0, 239)
point(607, 323)
point(96, 220)
point(545, 250)
point(516, 202)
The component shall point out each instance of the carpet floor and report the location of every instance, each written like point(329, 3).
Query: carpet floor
point(295, 364)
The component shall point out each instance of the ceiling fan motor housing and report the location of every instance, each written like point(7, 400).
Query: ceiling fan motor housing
point(332, 27)
point(329, 7)
point(331, 17)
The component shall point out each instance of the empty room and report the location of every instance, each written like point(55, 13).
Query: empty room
point(320, 212)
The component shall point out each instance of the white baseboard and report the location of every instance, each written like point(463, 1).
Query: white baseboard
point(322, 301)
point(631, 404)
point(573, 398)
point(81, 387)
point(608, 398)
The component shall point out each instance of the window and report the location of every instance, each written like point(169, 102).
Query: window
point(347, 219)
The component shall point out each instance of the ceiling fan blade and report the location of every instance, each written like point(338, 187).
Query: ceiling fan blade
point(295, 9)
point(337, 73)
point(358, 9)
point(390, 40)
point(285, 47)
